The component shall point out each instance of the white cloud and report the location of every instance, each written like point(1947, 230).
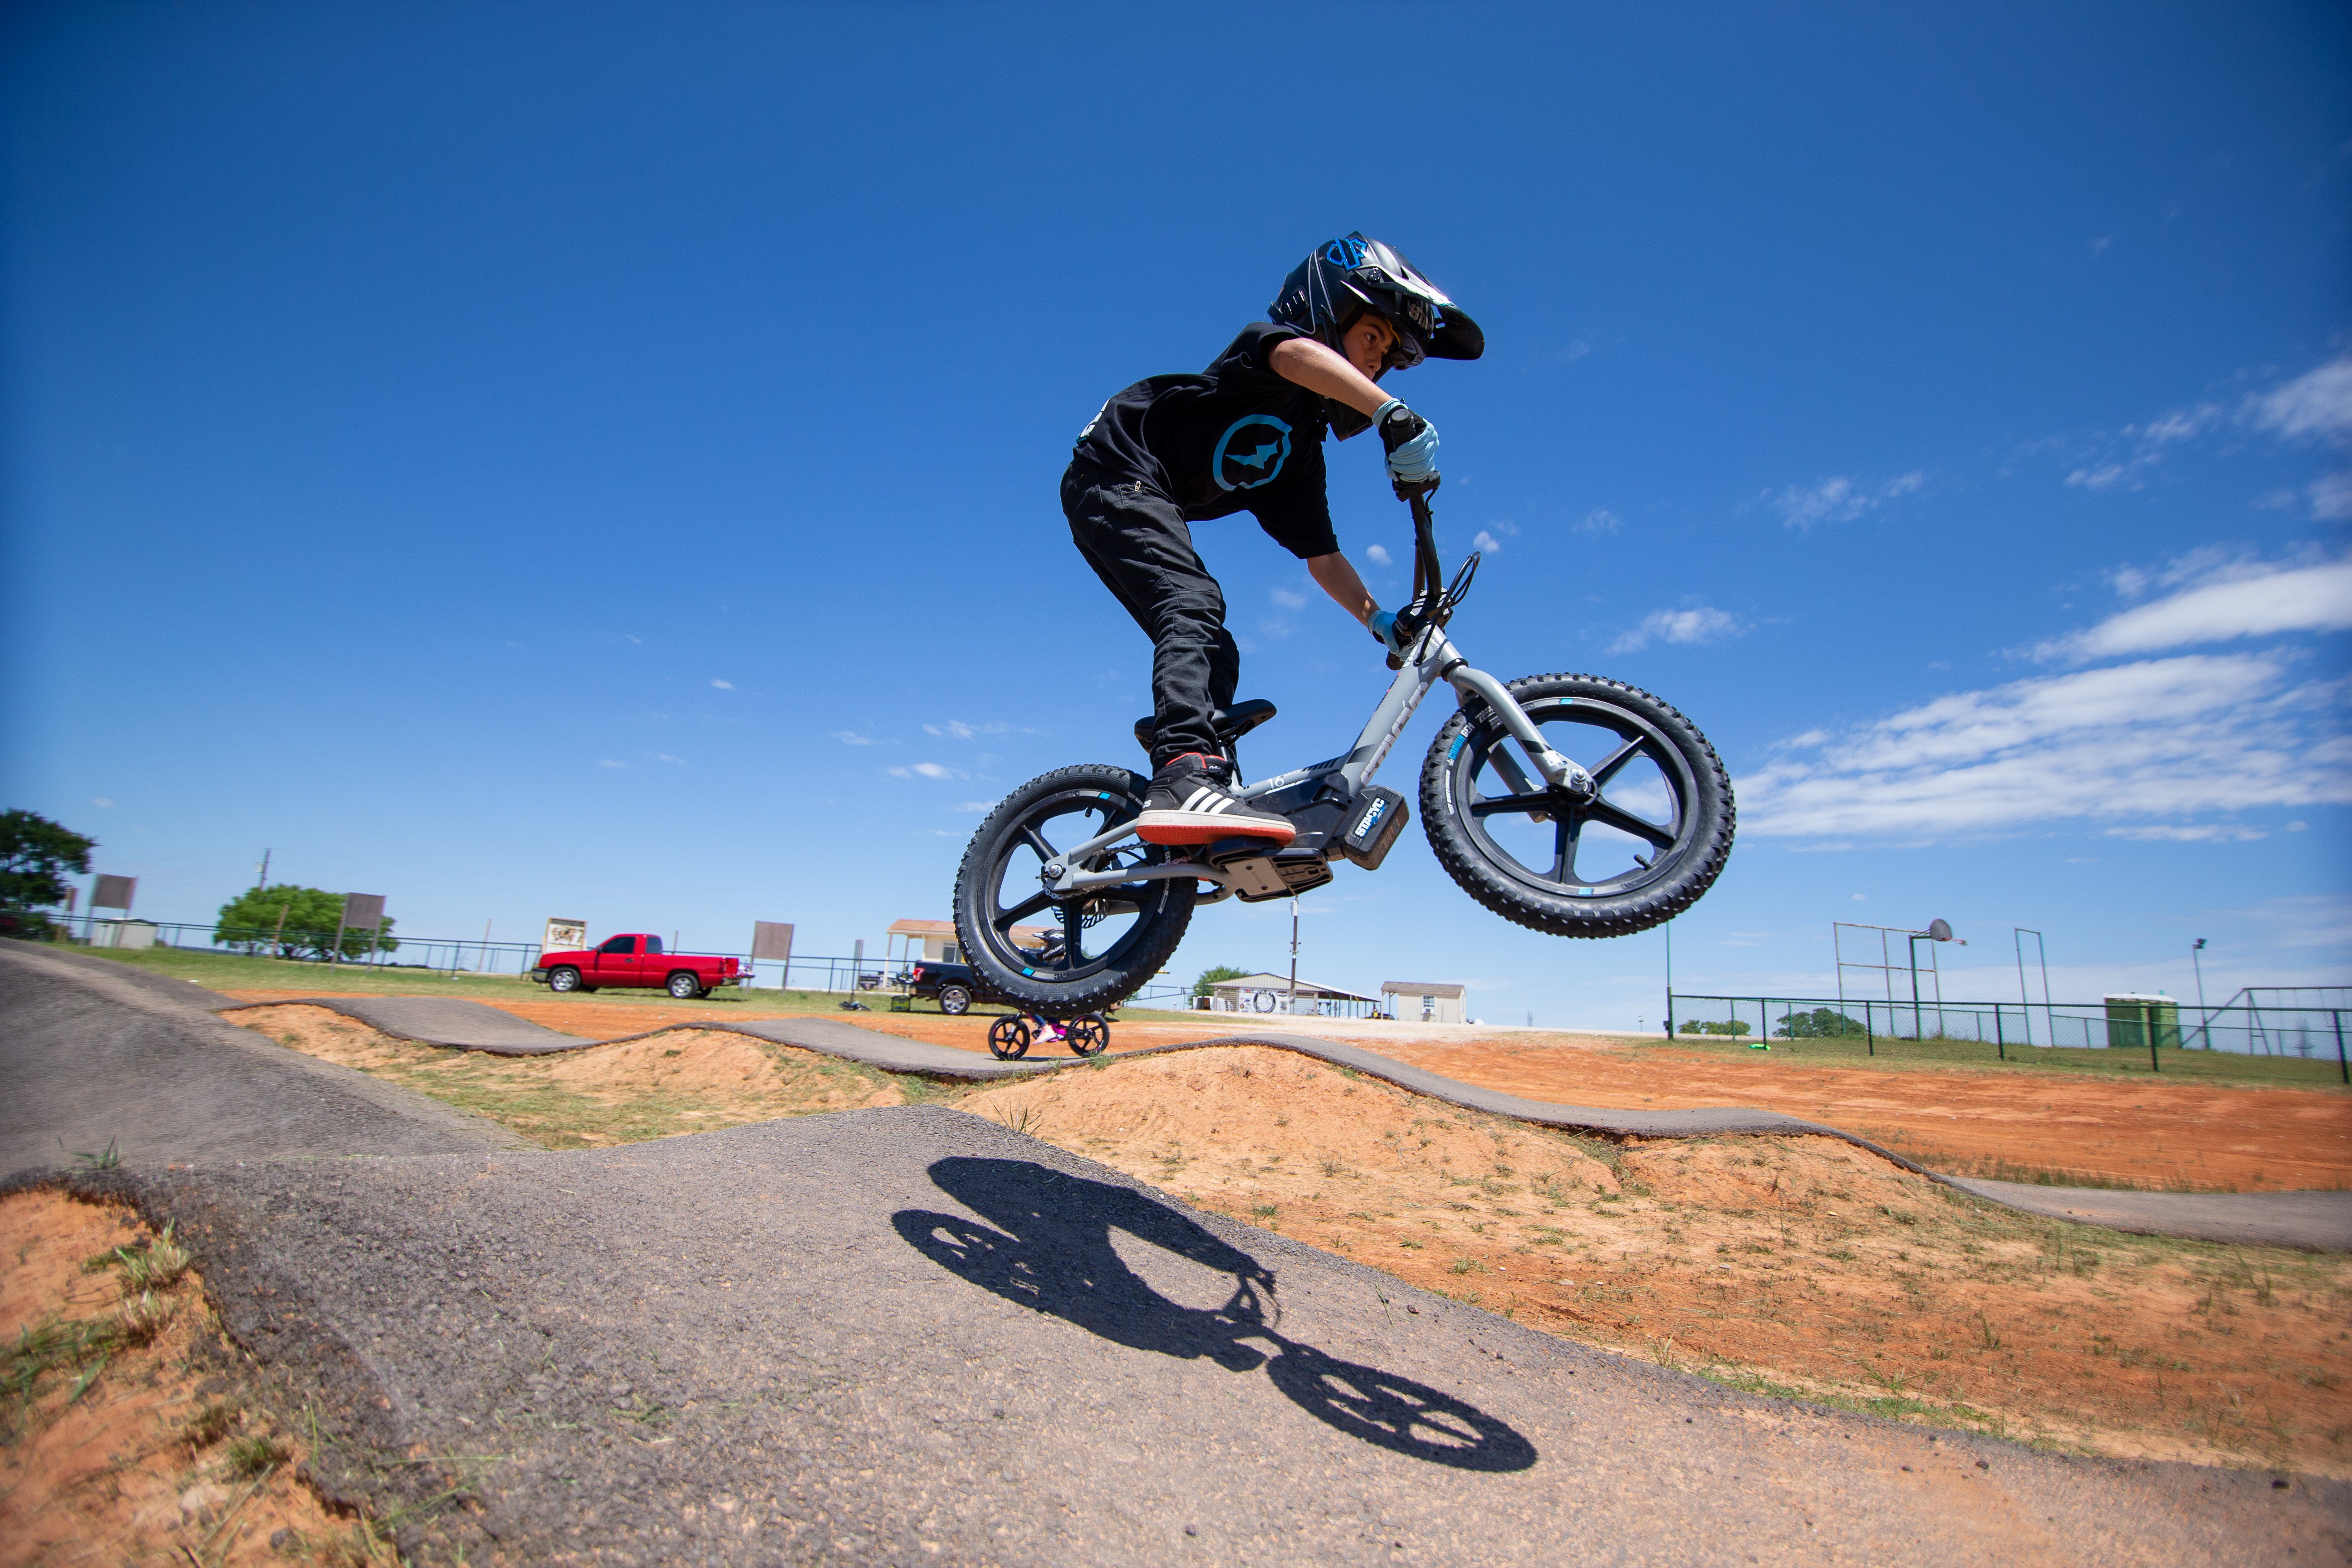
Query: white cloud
point(1703, 625)
point(959, 730)
point(852, 737)
point(1574, 352)
point(1487, 543)
point(1599, 520)
point(1287, 599)
point(980, 805)
point(1378, 554)
point(925, 770)
point(2238, 600)
point(2136, 744)
point(2197, 833)
point(609, 763)
point(665, 757)
point(1839, 499)
point(2317, 403)
point(723, 685)
point(101, 802)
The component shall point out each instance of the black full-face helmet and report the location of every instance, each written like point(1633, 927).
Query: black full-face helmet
point(1324, 294)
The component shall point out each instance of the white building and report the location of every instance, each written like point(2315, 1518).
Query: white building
point(1272, 993)
point(1424, 1001)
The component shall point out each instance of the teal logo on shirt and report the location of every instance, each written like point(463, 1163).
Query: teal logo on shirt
point(1250, 453)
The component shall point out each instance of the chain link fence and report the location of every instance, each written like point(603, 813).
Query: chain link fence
point(2283, 1027)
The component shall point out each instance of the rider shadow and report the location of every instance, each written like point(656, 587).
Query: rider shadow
point(1052, 1253)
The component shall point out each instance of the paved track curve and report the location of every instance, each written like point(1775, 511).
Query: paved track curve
point(2313, 1220)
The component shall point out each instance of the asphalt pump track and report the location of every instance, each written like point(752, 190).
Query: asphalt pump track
point(914, 1336)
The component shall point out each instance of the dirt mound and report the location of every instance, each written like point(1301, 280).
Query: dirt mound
point(119, 1448)
point(682, 1080)
point(1801, 1265)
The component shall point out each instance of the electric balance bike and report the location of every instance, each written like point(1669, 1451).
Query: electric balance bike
point(1568, 803)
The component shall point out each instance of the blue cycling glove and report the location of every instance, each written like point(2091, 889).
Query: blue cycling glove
point(1383, 625)
point(1411, 440)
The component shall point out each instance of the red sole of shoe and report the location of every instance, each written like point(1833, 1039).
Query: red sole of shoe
point(1209, 834)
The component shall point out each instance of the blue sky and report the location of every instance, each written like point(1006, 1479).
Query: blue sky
point(601, 460)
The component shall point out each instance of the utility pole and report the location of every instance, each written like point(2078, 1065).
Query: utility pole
point(1670, 980)
point(262, 876)
point(2204, 1019)
point(1294, 952)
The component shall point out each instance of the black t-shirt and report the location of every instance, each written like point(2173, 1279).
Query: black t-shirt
point(1236, 437)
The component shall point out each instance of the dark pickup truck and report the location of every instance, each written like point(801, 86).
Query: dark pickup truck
point(952, 985)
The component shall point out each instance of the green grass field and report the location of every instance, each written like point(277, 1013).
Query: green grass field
point(2186, 1065)
point(234, 971)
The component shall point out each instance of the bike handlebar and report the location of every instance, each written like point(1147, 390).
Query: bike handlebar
point(1428, 572)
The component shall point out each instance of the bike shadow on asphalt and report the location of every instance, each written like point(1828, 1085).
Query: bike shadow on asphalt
point(1048, 1246)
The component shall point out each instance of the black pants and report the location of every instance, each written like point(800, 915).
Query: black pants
point(1139, 544)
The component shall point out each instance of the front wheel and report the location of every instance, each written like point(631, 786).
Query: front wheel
point(1008, 1039)
point(564, 979)
point(1652, 836)
point(1060, 959)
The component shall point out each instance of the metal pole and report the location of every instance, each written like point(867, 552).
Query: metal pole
point(1918, 1028)
point(1670, 980)
point(2000, 1040)
point(2342, 1069)
point(335, 954)
point(1294, 952)
point(2153, 1011)
point(2205, 1023)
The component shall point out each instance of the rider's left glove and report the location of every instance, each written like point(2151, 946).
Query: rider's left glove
point(1411, 442)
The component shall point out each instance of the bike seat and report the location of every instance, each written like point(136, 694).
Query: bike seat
point(1230, 723)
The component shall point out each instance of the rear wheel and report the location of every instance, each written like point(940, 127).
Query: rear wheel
point(1636, 852)
point(1079, 955)
point(954, 1001)
point(685, 987)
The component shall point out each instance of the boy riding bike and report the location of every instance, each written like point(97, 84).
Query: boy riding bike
point(1247, 435)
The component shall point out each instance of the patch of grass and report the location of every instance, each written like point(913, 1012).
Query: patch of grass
point(142, 1317)
point(157, 1264)
point(105, 1159)
point(52, 1348)
point(1901, 1056)
point(1025, 1120)
point(250, 1459)
point(209, 1424)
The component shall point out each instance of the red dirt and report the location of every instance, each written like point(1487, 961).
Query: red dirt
point(134, 1465)
point(1807, 1260)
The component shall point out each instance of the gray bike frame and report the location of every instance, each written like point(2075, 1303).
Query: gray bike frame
point(1435, 659)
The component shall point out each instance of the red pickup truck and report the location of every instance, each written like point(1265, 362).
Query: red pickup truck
point(637, 959)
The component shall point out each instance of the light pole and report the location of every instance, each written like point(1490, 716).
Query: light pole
point(1293, 953)
point(2204, 1018)
point(1938, 930)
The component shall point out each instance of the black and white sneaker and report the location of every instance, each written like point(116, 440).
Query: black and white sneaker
point(1187, 804)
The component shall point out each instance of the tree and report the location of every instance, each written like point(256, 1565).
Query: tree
point(1209, 978)
point(295, 922)
point(1821, 1023)
point(35, 856)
